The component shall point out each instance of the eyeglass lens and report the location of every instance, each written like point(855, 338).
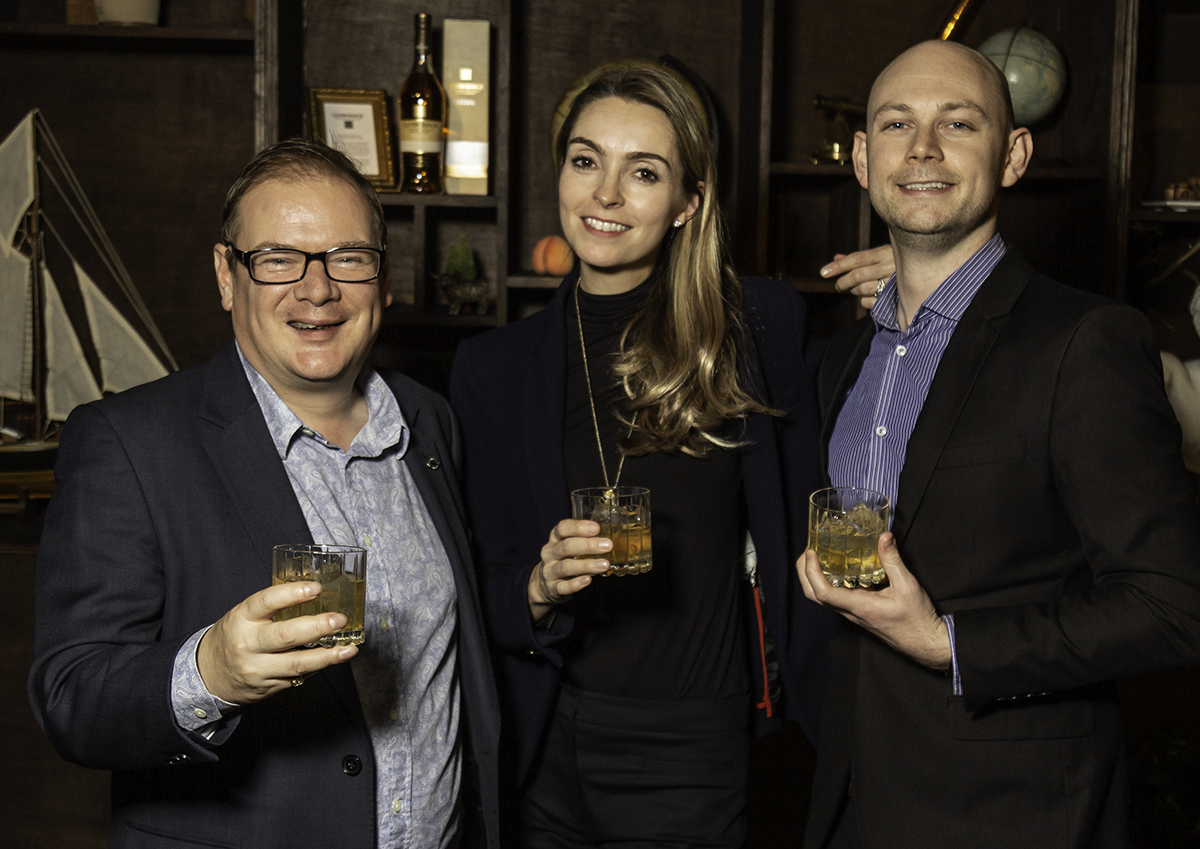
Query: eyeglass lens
point(345, 265)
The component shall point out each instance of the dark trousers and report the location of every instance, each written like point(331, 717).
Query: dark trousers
point(845, 833)
point(638, 774)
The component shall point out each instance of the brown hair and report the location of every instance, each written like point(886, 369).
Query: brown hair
point(679, 356)
point(297, 159)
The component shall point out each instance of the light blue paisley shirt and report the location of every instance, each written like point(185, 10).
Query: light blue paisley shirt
point(406, 669)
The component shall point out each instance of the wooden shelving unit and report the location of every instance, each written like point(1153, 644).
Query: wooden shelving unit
point(1163, 101)
point(368, 44)
point(806, 212)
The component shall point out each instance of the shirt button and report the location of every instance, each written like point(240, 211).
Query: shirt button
point(307, 431)
point(367, 540)
point(201, 713)
point(351, 765)
point(395, 715)
point(384, 625)
point(881, 431)
point(396, 806)
point(901, 350)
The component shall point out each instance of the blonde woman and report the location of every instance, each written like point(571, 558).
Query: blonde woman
point(630, 700)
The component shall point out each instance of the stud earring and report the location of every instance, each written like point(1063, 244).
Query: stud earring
point(678, 223)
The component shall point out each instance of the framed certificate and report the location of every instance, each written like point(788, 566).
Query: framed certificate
point(355, 121)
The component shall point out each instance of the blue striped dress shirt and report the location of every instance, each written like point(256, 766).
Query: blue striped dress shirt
point(870, 438)
point(868, 444)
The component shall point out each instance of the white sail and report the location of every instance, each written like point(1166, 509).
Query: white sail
point(16, 317)
point(69, 380)
point(16, 180)
point(125, 358)
point(16, 321)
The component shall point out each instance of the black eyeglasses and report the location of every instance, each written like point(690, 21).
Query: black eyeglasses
point(342, 265)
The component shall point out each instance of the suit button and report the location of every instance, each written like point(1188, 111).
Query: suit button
point(433, 463)
point(351, 765)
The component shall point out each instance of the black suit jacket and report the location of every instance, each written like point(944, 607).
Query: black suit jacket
point(508, 388)
point(169, 498)
point(1044, 503)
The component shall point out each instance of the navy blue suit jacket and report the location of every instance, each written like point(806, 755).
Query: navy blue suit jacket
point(508, 388)
point(169, 498)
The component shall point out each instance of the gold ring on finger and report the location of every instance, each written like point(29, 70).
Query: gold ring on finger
point(298, 680)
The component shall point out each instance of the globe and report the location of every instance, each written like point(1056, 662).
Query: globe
point(1036, 71)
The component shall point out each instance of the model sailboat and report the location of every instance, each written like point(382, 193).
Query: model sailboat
point(47, 365)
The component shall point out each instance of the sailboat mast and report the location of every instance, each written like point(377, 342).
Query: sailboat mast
point(37, 296)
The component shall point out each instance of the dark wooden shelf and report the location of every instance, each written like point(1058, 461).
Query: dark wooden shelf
point(528, 280)
point(811, 169)
point(1166, 216)
point(389, 197)
point(112, 37)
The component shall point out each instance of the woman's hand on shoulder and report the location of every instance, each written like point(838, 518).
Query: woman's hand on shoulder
point(559, 575)
point(859, 273)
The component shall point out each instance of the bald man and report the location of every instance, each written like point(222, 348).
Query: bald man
point(1044, 538)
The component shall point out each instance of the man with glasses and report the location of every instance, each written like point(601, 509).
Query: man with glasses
point(156, 655)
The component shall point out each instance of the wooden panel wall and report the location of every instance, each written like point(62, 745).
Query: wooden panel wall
point(44, 801)
point(155, 132)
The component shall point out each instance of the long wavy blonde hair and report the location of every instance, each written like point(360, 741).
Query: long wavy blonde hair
point(679, 356)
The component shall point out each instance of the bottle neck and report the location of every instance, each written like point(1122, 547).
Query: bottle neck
point(421, 49)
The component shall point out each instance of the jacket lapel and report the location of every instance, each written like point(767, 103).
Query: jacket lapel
point(244, 455)
point(957, 371)
point(430, 472)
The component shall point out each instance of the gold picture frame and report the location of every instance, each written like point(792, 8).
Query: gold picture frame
point(356, 122)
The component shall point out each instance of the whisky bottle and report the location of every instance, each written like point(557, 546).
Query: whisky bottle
point(422, 119)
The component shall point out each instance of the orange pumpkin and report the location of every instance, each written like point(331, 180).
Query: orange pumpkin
point(552, 255)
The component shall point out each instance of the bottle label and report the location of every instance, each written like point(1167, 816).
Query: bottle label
point(421, 136)
point(466, 159)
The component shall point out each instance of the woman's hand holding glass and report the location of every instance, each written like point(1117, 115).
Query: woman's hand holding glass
point(559, 575)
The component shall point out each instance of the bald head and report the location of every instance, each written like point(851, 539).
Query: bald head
point(947, 57)
point(938, 148)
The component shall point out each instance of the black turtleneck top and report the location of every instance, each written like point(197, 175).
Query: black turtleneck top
point(674, 632)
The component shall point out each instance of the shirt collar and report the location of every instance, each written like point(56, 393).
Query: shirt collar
point(952, 297)
point(385, 425)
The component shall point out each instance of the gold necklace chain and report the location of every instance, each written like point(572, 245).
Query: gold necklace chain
point(592, 403)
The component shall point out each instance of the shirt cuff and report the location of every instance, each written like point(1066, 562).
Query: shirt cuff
point(957, 679)
point(195, 707)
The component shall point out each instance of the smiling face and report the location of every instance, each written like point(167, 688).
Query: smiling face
point(312, 335)
point(620, 191)
point(938, 148)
